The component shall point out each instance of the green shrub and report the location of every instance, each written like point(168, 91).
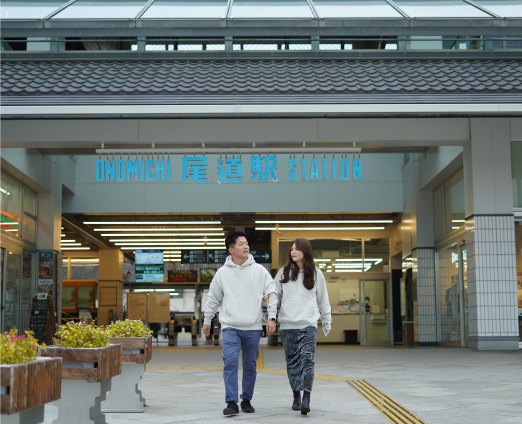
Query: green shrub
point(79, 334)
point(15, 349)
point(128, 328)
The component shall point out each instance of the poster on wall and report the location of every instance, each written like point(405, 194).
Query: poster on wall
point(45, 272)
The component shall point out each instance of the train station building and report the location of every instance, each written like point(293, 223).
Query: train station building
point(389, 135)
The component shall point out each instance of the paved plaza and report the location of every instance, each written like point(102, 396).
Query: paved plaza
point(437, 385)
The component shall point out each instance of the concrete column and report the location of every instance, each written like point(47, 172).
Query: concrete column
point(490, 237)
point(418, 241)
point(110, 284)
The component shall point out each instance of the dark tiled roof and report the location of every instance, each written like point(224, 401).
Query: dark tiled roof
point(227, 81)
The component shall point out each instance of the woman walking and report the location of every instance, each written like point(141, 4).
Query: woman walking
point(304, 299)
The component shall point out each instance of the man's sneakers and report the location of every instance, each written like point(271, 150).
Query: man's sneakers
point(246, 407)
point(231, 409)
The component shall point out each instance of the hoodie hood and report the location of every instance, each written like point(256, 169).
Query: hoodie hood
point(249, 261)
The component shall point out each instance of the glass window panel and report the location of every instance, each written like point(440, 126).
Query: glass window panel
point(185, 9)
point(355, 9)
point(376, 309)
point(29, 204)
point(12, 291)
point(438, 205)
point(68, 297)
point(86, 296)
point(504, 8)
point(10, 204)
point(454, 202)
point(330, 46)
point(440, 9)
point(516, 170)
point(26, 290)
point(29, 9)
point(449, 294)
point(256, 9)
point(102, 9)
point(376, 255)
point(29, 228)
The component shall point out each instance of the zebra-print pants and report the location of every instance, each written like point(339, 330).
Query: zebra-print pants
point(299, 353)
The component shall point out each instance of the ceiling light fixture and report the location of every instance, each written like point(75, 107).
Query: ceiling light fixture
point(369, 221)
point(75, 248)
point(134, 247)
point(153, 223)
point(165, 240)
point(159, 229)
point(164, 235)
point(317, 228)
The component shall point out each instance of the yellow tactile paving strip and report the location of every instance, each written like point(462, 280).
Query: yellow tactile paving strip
point(393, 411)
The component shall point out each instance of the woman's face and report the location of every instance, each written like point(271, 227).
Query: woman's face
point(297, 255)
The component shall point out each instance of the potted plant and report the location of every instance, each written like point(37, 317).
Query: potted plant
point(27, 382)
point(136, 342)
point(89, 363)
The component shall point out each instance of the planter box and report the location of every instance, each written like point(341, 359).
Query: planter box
point(86, 379)
point(144, 344)
point(124, 395)
point(26, 388)
point(106, 360)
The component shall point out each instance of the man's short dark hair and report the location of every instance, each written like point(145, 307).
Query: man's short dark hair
point(230, 241)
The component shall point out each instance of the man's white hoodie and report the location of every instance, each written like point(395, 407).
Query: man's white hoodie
point(239, 290)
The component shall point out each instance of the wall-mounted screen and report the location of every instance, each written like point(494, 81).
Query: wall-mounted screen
point(207, 275)
point(148, 265)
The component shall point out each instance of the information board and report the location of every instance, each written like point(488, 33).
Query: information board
point(42, 320)
point(194, 256)
point(262, 256)
point(183, 276)
point(137, 306)
point(148, 266)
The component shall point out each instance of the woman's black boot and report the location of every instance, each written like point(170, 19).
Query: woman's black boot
point(297, 400)
point(305, 405)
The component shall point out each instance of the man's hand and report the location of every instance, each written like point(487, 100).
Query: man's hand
point(265, 299)
point(206, 330)
point(270, 327)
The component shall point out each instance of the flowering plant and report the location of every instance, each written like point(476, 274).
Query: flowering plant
point(128, 328)
point(17, 349)
point(75, 334)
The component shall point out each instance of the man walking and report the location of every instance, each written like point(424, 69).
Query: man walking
point(238, 287)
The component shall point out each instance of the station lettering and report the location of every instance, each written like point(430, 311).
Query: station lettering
point(229, 170)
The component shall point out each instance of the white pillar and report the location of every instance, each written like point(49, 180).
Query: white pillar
point(490, 237)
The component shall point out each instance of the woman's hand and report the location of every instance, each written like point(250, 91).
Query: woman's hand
point(265, 299)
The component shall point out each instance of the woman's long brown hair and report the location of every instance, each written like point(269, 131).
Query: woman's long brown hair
point(291, 270)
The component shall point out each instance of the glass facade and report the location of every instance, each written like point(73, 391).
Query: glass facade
point(449, 293)
point(518, 244)
point(516, 171)
point(449, 207)
point(440, 9)
point(11, 196)
point(355, 9)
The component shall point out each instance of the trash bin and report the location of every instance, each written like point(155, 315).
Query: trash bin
point(350, 337)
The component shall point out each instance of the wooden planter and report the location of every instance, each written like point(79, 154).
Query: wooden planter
point(86, 378)
point(106, 362)
point(125, 396)
point(144, 344)
point(27, 387)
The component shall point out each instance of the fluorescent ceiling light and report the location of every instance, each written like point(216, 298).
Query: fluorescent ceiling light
point(165, 240)
point(159, 229)
point(458, 220)
point(455, 228)
point(67, 241)
point(376, 260)
point(317, 228)
point(170, 243)
point(163, 235)
point(347, 270)
point(94, 260)
point(153, 223)
point(165, 290)
point(63, 235)
point(323, 260)
point(134, 247)
point(71, 244)
point(365, 221)
point(75, 248)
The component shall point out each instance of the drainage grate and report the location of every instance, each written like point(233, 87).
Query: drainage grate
point(388, 407)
